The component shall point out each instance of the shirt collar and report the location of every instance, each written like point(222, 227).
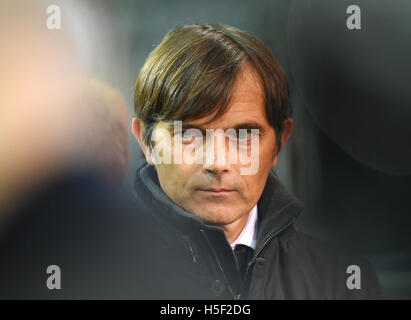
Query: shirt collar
point(248, 235)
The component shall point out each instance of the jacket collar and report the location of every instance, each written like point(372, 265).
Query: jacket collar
point(276, 207)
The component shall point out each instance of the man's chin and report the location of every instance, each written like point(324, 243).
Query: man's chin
point(223, 217)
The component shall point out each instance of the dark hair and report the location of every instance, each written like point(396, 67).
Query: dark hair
point(191, 74)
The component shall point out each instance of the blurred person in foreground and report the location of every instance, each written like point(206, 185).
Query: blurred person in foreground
point(64, 153)
point(222, 228)
point(74, 216)
point(52, 118)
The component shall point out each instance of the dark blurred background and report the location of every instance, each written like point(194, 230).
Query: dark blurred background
point(349, 157)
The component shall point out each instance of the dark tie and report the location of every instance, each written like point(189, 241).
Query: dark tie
point(243, 255)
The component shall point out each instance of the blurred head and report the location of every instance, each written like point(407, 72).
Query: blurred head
point(51, 119)
point(213, 77)
point(104, 131)
point(38, 81)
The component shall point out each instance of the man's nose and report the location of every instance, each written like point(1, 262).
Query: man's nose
point(217, 160)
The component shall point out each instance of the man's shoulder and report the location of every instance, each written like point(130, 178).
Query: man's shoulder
point(333, 264)
point(320, 248)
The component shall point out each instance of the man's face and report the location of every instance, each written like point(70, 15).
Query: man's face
point(217, 191)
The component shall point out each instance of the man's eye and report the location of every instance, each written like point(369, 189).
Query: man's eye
point(187, 138)
point(244, 134)
point(190, 136)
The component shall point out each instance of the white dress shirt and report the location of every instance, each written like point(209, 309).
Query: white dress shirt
point(248, 235)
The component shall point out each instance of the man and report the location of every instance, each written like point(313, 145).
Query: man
point(218, 230)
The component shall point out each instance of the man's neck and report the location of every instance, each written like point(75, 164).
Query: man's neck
point(233, 230)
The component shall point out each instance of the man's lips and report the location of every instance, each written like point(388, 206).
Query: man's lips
point(217, 191)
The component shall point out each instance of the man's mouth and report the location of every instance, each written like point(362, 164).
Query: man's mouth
point(217, 192)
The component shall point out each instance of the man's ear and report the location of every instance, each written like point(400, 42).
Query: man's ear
point(288, 127)
point(138, 131)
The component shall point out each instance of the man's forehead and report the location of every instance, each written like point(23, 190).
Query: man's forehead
point(247, 103)
point(246, 106)
point(245, 122)
point(248, 82)
point(238, 114)
point(231, 119)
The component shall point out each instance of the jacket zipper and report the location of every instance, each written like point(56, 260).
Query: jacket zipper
point(265, 242)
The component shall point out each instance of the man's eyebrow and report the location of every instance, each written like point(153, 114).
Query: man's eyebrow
point(244, 125)
point(250, 125)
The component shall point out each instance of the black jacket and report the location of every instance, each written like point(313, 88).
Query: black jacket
point(184, 258)
point(154, 249)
